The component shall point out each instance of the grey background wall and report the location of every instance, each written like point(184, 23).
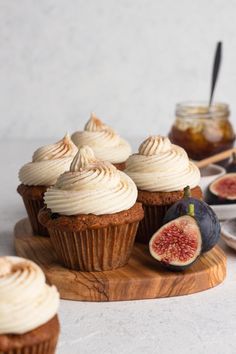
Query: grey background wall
point(129, 61)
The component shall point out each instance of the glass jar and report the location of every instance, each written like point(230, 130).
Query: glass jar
point(202, 130)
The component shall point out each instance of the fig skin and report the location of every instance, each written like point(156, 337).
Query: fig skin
point(164, 233)
point(214, 199)
point(174, 268)
point(204, 215)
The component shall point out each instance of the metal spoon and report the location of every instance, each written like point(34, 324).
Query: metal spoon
point(216, 69)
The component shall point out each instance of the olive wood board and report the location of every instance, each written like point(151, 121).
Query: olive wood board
point(141, 278)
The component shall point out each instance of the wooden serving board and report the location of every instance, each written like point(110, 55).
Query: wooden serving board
point(141, 278)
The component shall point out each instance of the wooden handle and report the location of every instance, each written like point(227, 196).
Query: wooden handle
point(215, 158)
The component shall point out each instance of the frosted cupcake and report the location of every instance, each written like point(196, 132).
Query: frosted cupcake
point(92, 215)
point(105, 142)
point(48, 163)
point(160, 170)
point(28, 309)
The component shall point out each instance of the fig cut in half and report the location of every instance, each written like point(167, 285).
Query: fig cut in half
point(203, 214)
point(223, 189)
point(177, 244)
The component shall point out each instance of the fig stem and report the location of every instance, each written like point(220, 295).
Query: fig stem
point(191, 211)
point(187, 192)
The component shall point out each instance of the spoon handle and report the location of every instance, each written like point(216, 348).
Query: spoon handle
point(216, 69)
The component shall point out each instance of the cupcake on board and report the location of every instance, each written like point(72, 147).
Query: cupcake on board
point(92, 215)
point(105, 142)
point(48, 163)
point(28, 309)
point(160, 170)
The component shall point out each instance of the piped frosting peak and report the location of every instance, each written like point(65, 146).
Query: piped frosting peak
point(155, 145)
point(61, 149)
point(105, 142)
point(48, 163)
point(91, 187)
point(95, 124)
point(160, 166)
point(26, 301)
point(84, 157)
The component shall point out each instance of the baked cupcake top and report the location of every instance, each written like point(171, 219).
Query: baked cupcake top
point(26, 301)
point(105, 142)
point(91, 187)
point(160, 166)
point(48, 163)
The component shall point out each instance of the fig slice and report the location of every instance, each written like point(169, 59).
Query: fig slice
point(177, 244)
point(225, 187)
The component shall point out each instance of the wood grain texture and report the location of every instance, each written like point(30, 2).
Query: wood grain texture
point(142, 278)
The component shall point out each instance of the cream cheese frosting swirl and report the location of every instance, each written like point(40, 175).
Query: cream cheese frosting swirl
point(91, 187)
point(160, 166)
point(105, 142)
point(48, 163)
point(26, 301)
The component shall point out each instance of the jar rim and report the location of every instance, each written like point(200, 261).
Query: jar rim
point(201, 109)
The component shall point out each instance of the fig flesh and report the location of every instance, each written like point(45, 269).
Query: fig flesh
point(223, 190)
point(204, 215)
point(177, 244)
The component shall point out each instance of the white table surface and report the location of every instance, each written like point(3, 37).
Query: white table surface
point(199, 323)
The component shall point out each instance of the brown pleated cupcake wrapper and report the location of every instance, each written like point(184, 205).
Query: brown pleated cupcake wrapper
point(46, 347)
point(152, 221)
point(32, 207)
point(95, 249)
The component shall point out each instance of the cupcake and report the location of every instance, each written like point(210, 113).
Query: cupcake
point(92, 215)
point(28, 309)
point(106, 144)
point(48, 163)
point(160, 170)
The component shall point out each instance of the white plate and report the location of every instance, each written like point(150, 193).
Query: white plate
point(209, 174)
point(225, 211)
point(228, 232)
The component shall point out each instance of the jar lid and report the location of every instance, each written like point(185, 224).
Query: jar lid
point(201, 109)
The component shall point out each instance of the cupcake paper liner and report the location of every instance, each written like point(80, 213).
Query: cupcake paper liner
point(33, 200)
point(94, 249)
point(152, 221)
point(48, 347)
point(42, 340)
point(32, 207)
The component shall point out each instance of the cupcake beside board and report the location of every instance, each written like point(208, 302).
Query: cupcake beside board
point(28, 309)
point(160, 170)
point(105, 142)
point(92, 215)
point(48, 163)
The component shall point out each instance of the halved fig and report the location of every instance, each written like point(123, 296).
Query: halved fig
point(177, 244)
point(223, 190)
point(204, 215)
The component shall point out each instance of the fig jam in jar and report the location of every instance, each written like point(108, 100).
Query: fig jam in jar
point(202, 130)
